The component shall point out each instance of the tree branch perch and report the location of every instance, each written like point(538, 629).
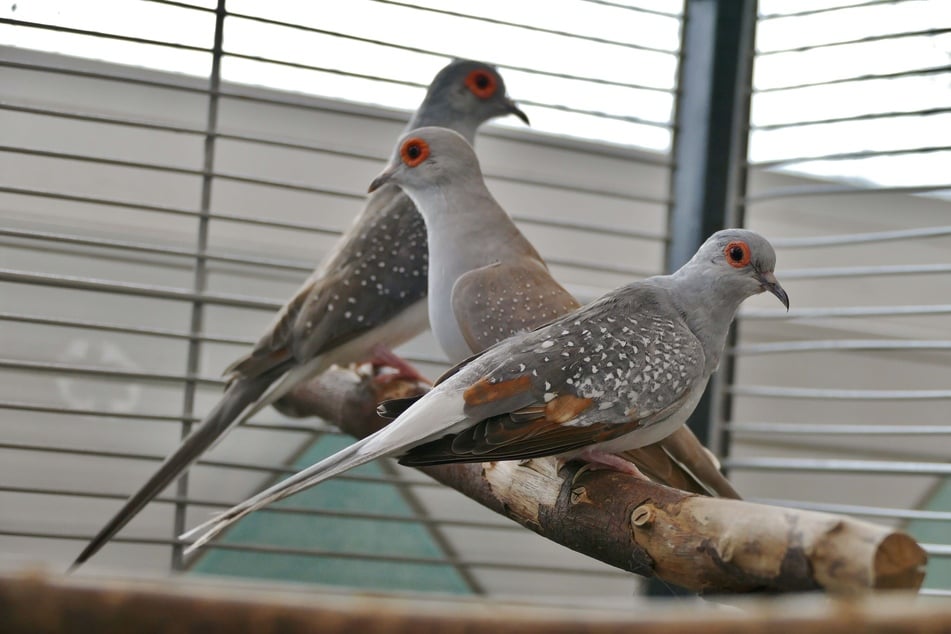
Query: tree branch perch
point(704, 544)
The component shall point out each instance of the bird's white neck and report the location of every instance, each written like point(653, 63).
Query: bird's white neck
point(467, 230)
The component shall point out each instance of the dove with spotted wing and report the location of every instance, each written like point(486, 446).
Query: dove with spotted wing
point(620, 373)
point(487, 282)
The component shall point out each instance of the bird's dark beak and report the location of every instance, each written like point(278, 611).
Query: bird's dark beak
point(771, 284)
point(514, 109)
point(381, 180)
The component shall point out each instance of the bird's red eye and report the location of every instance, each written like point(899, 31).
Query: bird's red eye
point(737, 254)
point(482, 83)
point(414, 151)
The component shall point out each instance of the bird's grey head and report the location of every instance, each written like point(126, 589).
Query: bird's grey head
point(740, 263)
point(464, 95)
point(428, 159)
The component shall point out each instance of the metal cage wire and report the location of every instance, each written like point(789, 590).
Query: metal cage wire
point(202, 260)
point(207, 267)
point(845, 406)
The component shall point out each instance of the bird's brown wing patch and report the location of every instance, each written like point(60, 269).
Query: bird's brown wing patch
point(527, 433)
point(394, 407)
point(483, 391)
point(532, 441)
point(566, 407)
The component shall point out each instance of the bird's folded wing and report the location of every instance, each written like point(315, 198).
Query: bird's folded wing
point(276, 342)
point(350, 293)
point(303, 317)
point(499, 300)
point(534, 431)
point(587, 378)
point(393, 407)
point(679, 461)
point(383, 272)
point(523, 434)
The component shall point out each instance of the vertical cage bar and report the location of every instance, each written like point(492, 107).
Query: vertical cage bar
point(709, 151)
point(709, 148)
point(721, 402)
point(200, 278)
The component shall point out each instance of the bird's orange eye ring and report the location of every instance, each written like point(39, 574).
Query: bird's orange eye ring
point(482, 83)
point(737, 254)
point(414, 151)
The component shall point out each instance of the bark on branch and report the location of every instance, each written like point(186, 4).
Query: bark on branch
point(707, 545)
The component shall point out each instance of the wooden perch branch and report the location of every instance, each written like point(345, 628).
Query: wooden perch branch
point(707, 545)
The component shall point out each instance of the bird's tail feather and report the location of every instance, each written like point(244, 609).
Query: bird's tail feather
point(683, 447)
point(392, 408)
point(344, 460)
point(236, 399)
point(418, 424)
point(275, 390)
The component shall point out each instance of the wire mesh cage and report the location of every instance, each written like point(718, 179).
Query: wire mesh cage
point(164, 190)
point(841, 404)
point(204, 202)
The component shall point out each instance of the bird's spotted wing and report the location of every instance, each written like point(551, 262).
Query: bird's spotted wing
point(378, 270)
point(497, 301)
point(381, 273)
point(275, 345)
point(622, 364)
point(530, 432)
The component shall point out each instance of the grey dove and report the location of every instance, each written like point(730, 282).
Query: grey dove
point(623, 372)
point(487, 282)
point(369, 295)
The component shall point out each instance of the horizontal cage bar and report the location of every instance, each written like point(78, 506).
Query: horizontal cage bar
point(839, 465)
point(859, 40)
point(917, 72)
point(796, 14)
point(835, 429)
point(772, 391)
point(868, 116)
point(277, 509)
point(279, 470)
point(825, 345)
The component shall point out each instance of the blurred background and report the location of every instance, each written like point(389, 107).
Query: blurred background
point(824, 124)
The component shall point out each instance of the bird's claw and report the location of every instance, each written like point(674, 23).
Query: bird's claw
point(383, 357)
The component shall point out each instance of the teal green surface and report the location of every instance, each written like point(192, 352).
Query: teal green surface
point(935, 532)
point(336, 534)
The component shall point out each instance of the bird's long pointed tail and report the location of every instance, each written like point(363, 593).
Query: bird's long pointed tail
point(687, 450)
point(680, 461)
point(276, 389)
point(237, 398)
point(344, 460)
point(426, 418)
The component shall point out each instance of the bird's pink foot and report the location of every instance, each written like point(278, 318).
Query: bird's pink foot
point(602, 460)
point(384, 357)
